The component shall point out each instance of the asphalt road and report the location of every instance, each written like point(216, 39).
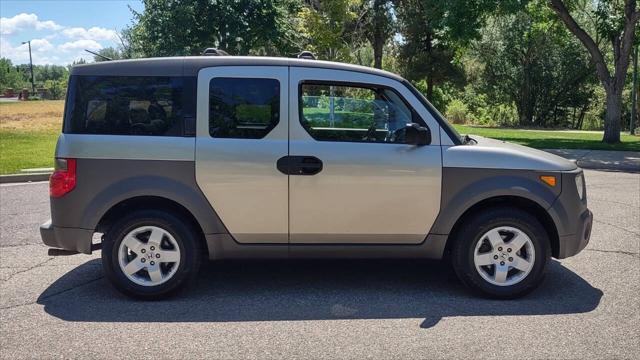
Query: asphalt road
point(588, 305)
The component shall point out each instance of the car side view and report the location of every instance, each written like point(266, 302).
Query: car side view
point(177, 160)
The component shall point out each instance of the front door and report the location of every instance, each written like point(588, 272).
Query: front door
point(242, 131)
point(357, 182)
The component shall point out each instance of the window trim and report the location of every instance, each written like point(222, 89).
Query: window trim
point(269, 128)
point(362, 85)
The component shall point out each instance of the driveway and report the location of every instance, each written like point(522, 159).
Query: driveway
point(63, 307)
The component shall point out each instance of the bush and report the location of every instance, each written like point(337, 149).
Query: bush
point(457, 112)
point(504, 115)
point(57, 89)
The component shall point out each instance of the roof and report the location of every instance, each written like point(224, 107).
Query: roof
point(190, 65)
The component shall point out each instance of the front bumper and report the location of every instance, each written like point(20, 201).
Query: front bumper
point(72, 239)
point(571, 245)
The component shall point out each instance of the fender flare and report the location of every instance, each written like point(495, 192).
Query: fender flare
point(184, 194)
point(464, 188)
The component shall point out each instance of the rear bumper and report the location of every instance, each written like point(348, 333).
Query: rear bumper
point(571, 245)
point(72, 239)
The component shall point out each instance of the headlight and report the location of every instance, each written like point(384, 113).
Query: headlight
point(580, 185)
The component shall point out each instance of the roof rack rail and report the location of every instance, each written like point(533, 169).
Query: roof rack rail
point(306, 55)
point(214, 52)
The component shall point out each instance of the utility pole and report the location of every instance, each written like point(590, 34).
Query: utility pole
point(634, 92)
point(33, 84)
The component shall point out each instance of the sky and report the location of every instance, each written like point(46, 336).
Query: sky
point(60, 30)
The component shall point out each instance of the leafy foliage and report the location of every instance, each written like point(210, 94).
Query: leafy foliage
point(109, 53)
point(240, 27)
point(10, 77)
point(616, 22)
point(328, 28)
point(530, 60)
point(52, 77)
point(434, 32)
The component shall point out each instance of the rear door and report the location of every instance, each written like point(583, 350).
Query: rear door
point(242, 131)
point(357, 182)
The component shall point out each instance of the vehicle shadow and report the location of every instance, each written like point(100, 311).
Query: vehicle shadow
point(312, 290)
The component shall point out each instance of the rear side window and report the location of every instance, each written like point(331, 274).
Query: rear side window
point(128, 105)
point(243, 108)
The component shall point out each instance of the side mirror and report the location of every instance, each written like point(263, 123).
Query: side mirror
point(417, 135)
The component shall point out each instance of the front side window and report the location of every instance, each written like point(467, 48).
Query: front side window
point(126, 105)
point(243, 108)
point(353, 114)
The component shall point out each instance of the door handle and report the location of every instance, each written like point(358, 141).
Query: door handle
point(299, 165)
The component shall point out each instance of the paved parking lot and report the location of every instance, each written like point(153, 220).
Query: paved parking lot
point(63, 307)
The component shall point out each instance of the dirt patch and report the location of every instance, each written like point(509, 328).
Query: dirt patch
point(32, 115)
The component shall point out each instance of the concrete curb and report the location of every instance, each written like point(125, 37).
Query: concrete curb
point(18, 178)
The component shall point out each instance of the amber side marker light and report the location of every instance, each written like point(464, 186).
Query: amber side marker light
point(549, 180)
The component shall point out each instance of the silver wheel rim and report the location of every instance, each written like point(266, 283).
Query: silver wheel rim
point(504, 256)
point(149, 256)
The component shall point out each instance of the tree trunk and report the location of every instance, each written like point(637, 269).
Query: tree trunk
point(612, 116)
point(378, 45)
point(583, 111)
point(430, 88)
point(378, 32)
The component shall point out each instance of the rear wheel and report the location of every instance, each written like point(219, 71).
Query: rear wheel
point(150, 254)
point(501, 252)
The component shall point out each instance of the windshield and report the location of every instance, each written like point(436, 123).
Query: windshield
point(448, 128)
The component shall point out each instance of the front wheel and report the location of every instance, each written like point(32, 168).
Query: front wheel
point(501, 253)
point(150, 254)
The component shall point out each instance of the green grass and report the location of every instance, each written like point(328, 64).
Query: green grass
point(554, 139)
point(26, 149)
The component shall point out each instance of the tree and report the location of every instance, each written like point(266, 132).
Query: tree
point(617, 25)
point(380, 29)
point(348, 30)
point(56, 88)
point(110, 53)
point(49, 72)
point(42, 73)
point(530, 60)
point(10, 76)
point(240, 27)
point(434, 30)
point(427, 49)
point(331, 29)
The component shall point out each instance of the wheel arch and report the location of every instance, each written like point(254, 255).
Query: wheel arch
point(146, 202)
point(467, 190)
point(522, 203)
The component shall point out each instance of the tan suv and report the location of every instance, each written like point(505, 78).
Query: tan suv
point(175, 160)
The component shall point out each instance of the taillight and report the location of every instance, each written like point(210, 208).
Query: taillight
point(63, 179)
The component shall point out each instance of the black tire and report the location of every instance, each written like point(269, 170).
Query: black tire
point(470, 233)
point(184, 235)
